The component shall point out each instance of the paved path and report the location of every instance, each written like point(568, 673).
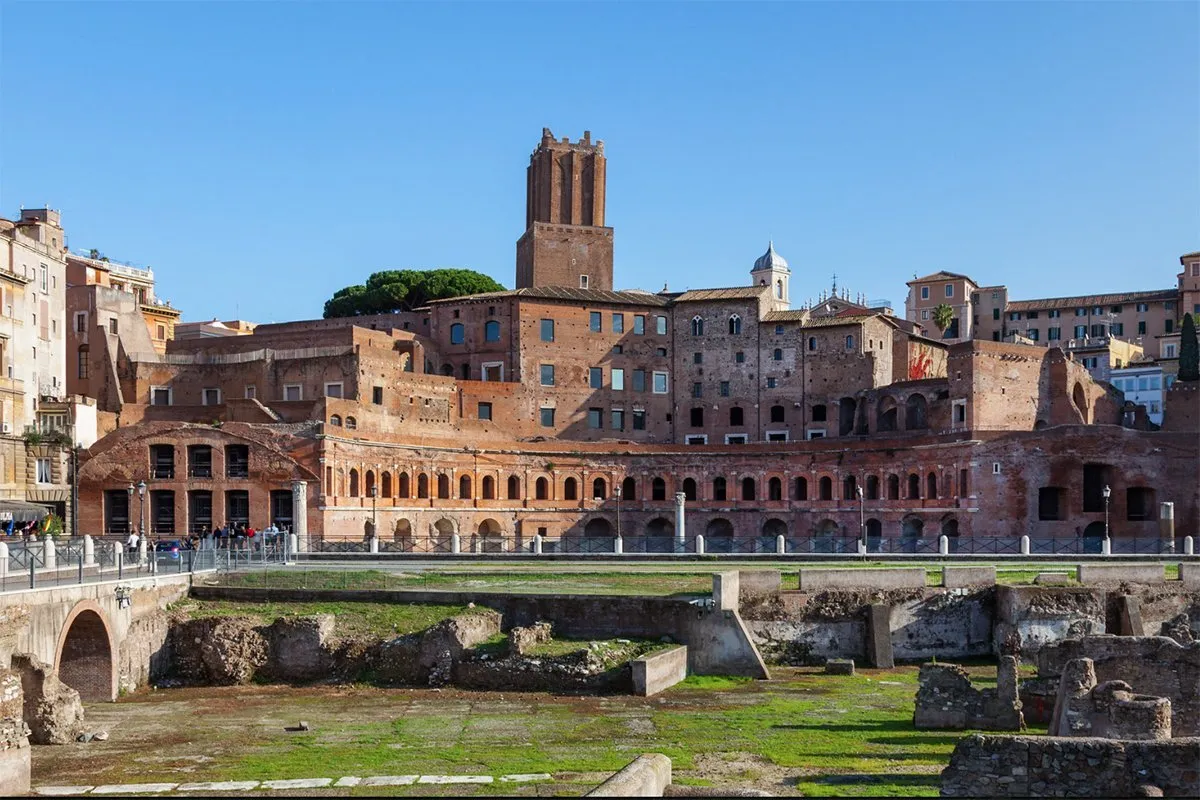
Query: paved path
point(296, 783)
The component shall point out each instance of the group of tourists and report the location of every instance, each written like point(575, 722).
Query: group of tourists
point(235, 536)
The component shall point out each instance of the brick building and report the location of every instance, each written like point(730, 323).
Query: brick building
point(545, 409)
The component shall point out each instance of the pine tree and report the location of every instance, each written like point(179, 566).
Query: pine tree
point(1189, 351)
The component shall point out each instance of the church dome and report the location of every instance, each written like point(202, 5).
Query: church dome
point(770, 260)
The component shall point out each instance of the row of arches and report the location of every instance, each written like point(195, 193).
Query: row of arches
point(914, 486)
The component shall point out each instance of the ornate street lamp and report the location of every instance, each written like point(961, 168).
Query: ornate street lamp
point(141, 489)
point(1107, 540)
point(128, 510)
point(862, 520)
point(374, 493)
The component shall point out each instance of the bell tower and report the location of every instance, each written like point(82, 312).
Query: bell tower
point(771, 269)
point(565, 242)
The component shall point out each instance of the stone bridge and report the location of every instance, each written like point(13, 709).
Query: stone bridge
point(97, 642)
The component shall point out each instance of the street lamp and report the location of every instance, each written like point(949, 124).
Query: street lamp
point(617, 492)
point(128, 510)
point(1107, 541)
point(862, 520)
point(374, 511)
point(141, 487)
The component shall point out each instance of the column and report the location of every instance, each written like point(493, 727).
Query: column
point(680, 530)
point(300, 515)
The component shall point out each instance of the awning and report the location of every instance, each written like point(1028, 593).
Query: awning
point(20, 511)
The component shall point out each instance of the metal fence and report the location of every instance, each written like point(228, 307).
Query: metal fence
point(757, 545)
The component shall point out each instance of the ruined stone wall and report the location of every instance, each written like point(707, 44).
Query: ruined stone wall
point(946, 699)
point(1045, 766)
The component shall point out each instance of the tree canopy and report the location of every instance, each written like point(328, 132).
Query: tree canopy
point(943, 316)
point(1189, 351)
point(405, 290)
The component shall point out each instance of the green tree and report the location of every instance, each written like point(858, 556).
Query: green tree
point(1189, 351)
point(405, 290)
point(943, 316)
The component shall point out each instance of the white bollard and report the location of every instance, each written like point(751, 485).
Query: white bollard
point(455, 543)
point(1025, 544)
point(293, 542)
point(374, 544)
point(537, 544)
point(700, 543)
point(142, 549)
point(861, 546)
point(1189, 545)
point(618, 546)
point(89, 551)
point(1106, 547)
point(50, 555)
point(116, 552)
point(780, 545)
point(3, 560)
point(943, 545)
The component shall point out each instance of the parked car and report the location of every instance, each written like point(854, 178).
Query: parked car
point(172, 546)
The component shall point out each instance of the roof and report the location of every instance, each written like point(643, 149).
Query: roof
point(806, 321)
point(940, 275)
point(1190, 255)
point(598, 296)
point(1092, 300)
point(730, 293)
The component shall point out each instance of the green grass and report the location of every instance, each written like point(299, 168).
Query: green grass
point(353, 619)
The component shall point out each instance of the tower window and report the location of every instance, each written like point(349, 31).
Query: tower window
point(583, 281)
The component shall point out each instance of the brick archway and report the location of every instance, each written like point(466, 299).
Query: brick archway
point(85, 657)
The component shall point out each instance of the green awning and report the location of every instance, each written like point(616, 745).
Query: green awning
point(20, 511)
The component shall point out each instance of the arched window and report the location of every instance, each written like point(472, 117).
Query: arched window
point(915, 412)
point(541, 489)
point(914, 487)
point(629, 489)
point(658, 489)
point(736, 416)
point(872, 487)
point(826, 488)
point(354, 483)
point(777, 354)
point(931, 486)
point(402, 487)
point(849, 488)
point(893, 487)
point(801, 489)
point(488, 488)
point(570, 489)
point(385, 484)
point(718, 488)
point(749, 490)
point(448, 370)
point(735, 325)
point(422, 486)
point(777, 414)
point(812, 343)
point(600, 489)
point(351, 423)
point(443, 487)
point(334, 419)
point(491, 331)
point(774, 489)
point(464, 487)
point(370, 482)
point(514, 487)
point(689, 488)
point(457, 333)
point(779, 289)
point(697, 326)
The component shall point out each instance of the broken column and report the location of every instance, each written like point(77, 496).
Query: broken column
point(300, 514)
point(879, 636)
point(680, 532)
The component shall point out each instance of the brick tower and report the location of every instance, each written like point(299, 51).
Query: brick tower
point(565, 242)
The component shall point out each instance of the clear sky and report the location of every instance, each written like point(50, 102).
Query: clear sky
point(261, 155)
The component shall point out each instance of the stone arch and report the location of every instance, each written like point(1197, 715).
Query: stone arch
point(950, 527)
point(353, 482)
point(774, 527)
point(872, 487)
point(422, 485)
point(914, 486)
point(893, 487)
point(488, 488)
point(931, 486)
point(85, 655)
point(1079, 398)
point(464, 487)
point(720, 489)
point(370, 483)
point(599, 489)
point(874, 534)
point(490, 527)
point(402, 487)
point(658, 489)
point(718, 528)
point(570, 489)
point(885, 415)
point(385, 484)
point(774, 488)
point(916, 412)
point(598, 528)
point(912, 528)
point(514, 487)
point(749, 488)
point(443, 486)
point(444, 527)
point(825, 487)
point(660, 527)
point(489, 537)
point(629, 489)
point(541, 489)
point(690, 491)
point(402, 531)
point(801, 488)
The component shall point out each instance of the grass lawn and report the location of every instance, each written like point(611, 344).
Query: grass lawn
point(801, 732)
point(353, 619)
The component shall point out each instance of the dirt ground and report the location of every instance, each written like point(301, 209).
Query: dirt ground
point(800, 733)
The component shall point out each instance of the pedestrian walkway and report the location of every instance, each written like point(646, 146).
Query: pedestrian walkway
point(346, 782)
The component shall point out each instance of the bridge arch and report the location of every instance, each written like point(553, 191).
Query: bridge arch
point(86, 654)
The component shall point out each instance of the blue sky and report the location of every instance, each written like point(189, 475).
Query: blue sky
point(261, 155)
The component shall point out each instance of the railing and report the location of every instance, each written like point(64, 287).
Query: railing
point(35, 563)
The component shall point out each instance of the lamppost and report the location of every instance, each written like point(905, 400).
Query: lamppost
point(862, 520)
point(374, 512)
point(1107, 540)
point(129, 511)
point(617, 492)
point(141, 487)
